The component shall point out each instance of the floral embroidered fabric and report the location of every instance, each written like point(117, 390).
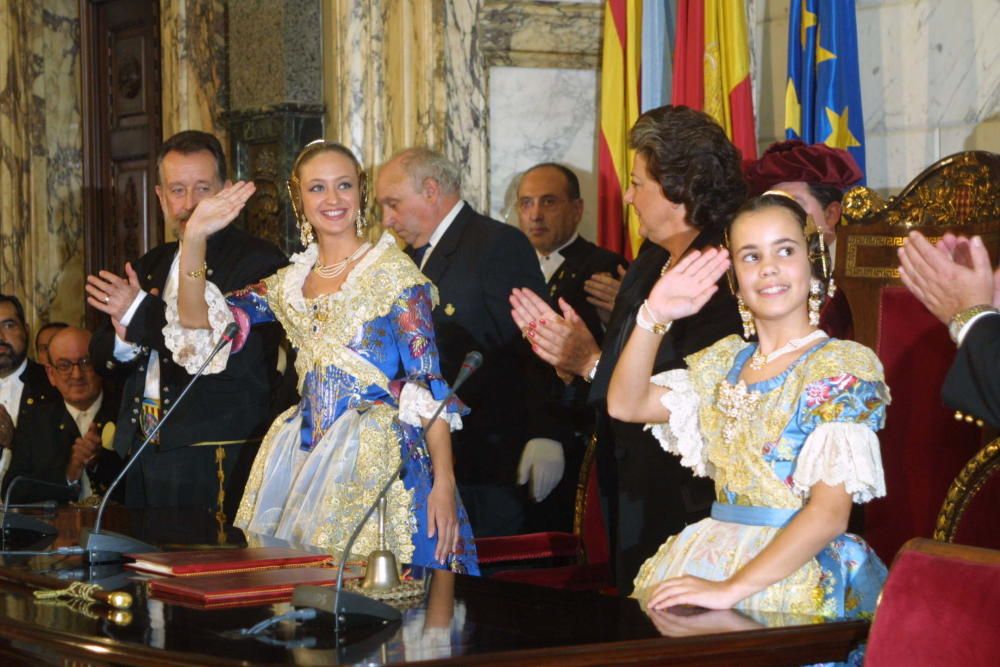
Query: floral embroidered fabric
point(368, 371)
point(765, 445)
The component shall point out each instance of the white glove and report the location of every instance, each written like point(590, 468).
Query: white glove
point(542, 461)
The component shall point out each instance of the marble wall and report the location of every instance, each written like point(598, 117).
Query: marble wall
point(930, 83)
point(542, 62)
point(41, 229)
point(193, 66)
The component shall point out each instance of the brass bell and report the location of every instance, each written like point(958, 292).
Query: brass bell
point(381, 572)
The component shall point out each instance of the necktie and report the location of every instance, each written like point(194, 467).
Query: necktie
point(418, 253)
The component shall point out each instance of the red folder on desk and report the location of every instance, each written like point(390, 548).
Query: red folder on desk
point(241, 588)
point(218, 561)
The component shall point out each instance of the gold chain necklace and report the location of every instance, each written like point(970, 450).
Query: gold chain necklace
point(335, 269)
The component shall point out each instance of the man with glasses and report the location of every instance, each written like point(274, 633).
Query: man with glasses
point(57, 449)
point(580, 276)
point(22, 381)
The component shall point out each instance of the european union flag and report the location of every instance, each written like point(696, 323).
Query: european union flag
point(823, 93)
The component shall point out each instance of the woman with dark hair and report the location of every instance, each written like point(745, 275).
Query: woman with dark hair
point(358, 312)
point(685, 185)
point(784, 426)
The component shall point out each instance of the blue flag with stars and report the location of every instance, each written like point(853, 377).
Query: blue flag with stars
point(823, 93)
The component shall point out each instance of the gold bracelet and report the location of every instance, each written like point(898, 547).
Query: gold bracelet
point(199, 273)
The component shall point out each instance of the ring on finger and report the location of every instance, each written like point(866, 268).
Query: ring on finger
point(107, 298)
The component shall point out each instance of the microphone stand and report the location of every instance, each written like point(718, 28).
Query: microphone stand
point(356, 604)
point(106, 546)
point(21, 522)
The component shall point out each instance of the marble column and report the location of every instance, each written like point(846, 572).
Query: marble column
point(193, 66)
point(41, 227)
point(276, 103)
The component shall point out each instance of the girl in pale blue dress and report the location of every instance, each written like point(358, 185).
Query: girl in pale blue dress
point(784, 426)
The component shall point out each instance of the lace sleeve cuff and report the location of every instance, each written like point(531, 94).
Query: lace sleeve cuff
point(190, 347)
point(681, 434)
point(416, 402)
point(841, 453)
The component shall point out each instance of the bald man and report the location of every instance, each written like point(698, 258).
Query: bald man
point(62, 448)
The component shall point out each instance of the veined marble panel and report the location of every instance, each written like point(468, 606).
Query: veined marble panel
point(465, 139)
point(542, 115)
point(546, 34)
point(41, 229)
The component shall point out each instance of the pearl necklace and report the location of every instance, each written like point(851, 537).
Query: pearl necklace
point(335, 269)
point(759, 359)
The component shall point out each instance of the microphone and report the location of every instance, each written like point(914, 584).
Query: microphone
point(21, 522)
point(343, 603)
point(105, 546)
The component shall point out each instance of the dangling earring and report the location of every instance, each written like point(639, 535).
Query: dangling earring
point(360, 223)
point(831, 288)
point(815, 292)
point(305, 229)
point(306, 232)
point(749, 329)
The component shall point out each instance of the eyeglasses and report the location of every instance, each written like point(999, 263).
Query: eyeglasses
point(546, 203)
point(65, 367)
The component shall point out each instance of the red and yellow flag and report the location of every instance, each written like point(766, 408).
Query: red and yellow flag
point(620, 58)
point(712, 67)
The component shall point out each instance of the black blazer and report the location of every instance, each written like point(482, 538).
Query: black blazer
point(42, 447)
point(654, 496)
point(563, 412)
point(972, 384)
point(37, 388)
point(582, 260)
point(474, 266)
point(231, 406)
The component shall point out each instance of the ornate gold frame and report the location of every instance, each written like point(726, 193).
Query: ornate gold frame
point(967, 484)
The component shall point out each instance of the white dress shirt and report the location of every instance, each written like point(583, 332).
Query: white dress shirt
point(440, 230)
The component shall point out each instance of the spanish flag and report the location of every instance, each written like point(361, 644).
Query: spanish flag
point(712, 67)
point(620, 60)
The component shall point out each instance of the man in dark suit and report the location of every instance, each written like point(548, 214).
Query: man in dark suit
point(585, 277)
point(60, 442)
point(22, 382)
point(220, 422)
point(956, 281)
point(474, 262)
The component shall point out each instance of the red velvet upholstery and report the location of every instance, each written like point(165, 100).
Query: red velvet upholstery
point(940, 606)
point(585, 549)
point(923, 447)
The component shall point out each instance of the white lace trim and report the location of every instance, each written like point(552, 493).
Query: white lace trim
point(681, 433)
point(841, 453)
point(190, 347)
point(416, 402)
point(301, 263)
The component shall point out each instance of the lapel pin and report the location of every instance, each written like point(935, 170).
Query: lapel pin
point(449, 310)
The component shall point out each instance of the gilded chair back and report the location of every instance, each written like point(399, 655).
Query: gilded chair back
point(969, 507)
point(923, 446)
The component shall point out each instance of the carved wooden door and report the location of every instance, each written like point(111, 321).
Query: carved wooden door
point(120, 62)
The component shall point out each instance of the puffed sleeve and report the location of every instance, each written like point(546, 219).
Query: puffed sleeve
point(422, 388)
point(190, 347)
point(840, 416)
point(681, 433)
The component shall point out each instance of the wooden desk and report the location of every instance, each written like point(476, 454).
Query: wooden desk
point(460, 621)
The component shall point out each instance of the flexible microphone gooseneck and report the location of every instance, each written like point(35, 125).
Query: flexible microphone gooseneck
point(105, 546)
point(354, 603)
point(21, 522)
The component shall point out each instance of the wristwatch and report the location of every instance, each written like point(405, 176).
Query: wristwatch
point(962, 318)
point(589, 377)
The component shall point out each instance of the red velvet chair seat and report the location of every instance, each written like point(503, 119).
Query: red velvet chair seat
point(940, 606)
point(582, 555)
